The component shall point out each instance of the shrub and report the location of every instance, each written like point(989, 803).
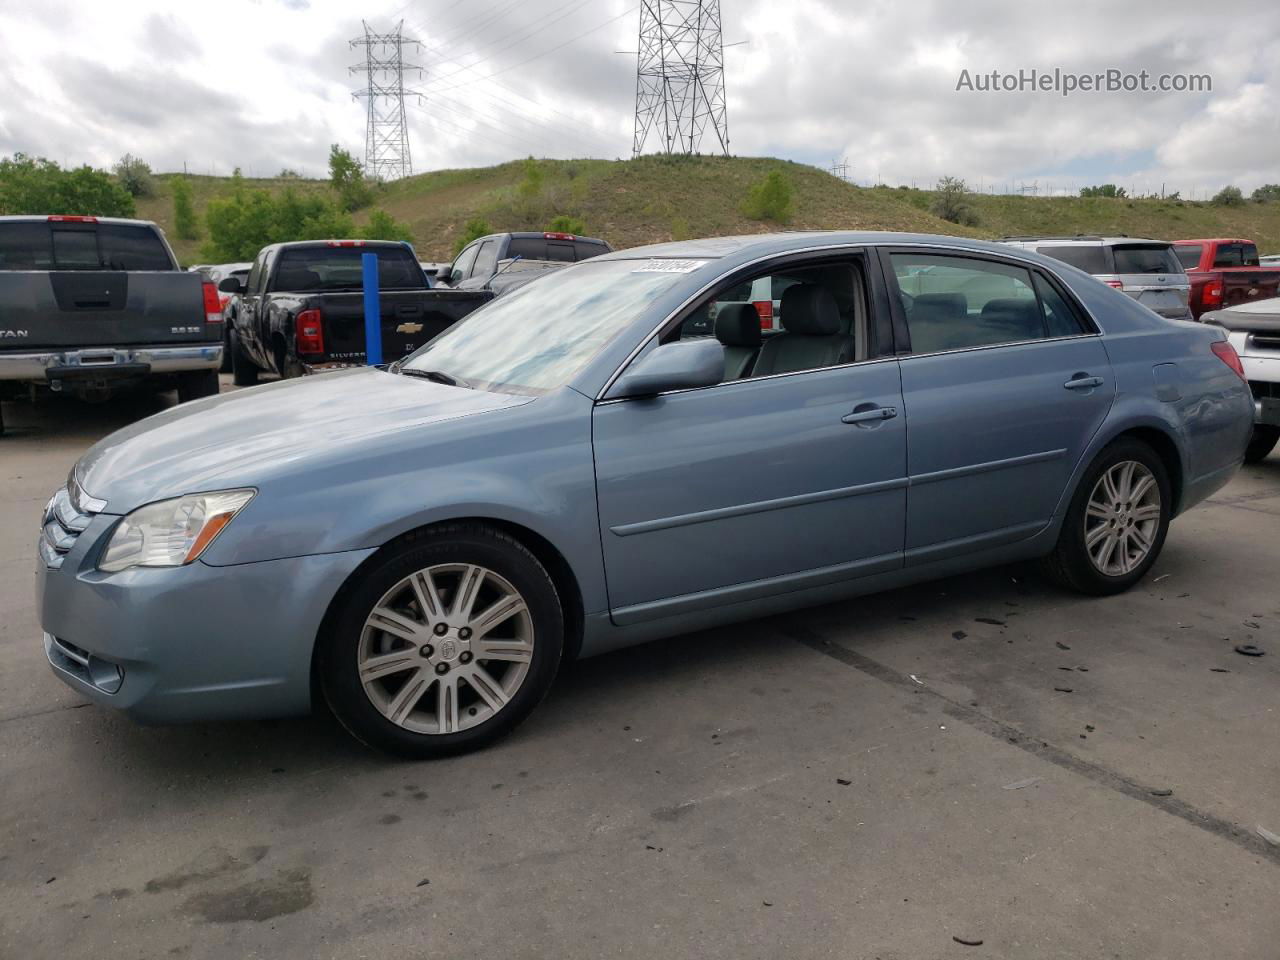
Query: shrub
point(346, 176)
point(245, 221)
point(951, 202)
point(1267, 193)
point(184, 213)
point(35, 185)
point(1104, 190)
point(473, 229)
point(1228, 197)
point(134, 175)
point(769, 198)
point(567, 224)
point(383, 226)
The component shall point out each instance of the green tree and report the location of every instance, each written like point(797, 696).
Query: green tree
point(134, 175)
point(383, 226)
point(244, 221)
point(35, 185)
point(769, 198)
point(567, 224)
point(951, 202)
point(184, 211)
point(473, 229)
point(1267, 193)
point(530, 188)
point(1105, 190)
point(346, 176)
point(1228, 197)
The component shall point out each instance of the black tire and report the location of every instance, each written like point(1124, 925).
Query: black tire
point(243, 372)
point(225, 367)
point(1070, 563)
point(196, 384)
point(338, 647)
point(1261, 443)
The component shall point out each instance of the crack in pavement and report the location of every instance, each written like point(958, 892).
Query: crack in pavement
point(1056, 755)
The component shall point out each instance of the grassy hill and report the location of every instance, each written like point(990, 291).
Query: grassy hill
point(658, 198)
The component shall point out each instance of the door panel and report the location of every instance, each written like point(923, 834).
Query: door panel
point(721, 492)
point(993, 436)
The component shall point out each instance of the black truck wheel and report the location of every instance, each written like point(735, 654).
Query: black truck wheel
point(243, 372)
point(1261, 443)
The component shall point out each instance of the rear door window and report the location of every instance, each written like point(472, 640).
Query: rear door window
point(25, 245)
point(1145, 258)
point(486, 259)
point(1189, 257)
point(1061, 320)
point(1236, 255)
point(1089, 259)
point(132, 248)
point(955, 303)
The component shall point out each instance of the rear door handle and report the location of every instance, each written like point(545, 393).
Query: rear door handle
point(1082, 381)
point(862, 414)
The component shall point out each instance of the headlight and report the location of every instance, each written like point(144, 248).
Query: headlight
point(170, 533)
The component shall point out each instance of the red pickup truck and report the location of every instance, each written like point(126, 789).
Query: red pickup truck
point(1224, 272)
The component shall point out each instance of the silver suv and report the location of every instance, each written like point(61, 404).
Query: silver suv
point(1146, 270)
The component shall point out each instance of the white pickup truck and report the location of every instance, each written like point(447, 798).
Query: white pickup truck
point(1254, 330)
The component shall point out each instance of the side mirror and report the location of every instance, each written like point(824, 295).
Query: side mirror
point(231, 285)
point(444, 273)
point(683, 365)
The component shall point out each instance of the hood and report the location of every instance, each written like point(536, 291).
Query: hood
point(236, 438)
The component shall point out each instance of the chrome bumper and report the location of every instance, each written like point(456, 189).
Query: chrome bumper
point(109, 361)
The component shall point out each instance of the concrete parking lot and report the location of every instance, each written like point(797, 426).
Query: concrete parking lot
point(984, 758)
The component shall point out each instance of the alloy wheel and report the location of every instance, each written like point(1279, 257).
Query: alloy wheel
point(1122, 518)
point(446, 648)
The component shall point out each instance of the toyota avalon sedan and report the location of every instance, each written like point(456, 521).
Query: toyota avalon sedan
point(589, 463)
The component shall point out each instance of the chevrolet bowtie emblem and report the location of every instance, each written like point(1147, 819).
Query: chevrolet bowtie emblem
point(409, 328)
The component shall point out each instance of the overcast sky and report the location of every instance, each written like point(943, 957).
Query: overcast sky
point(264, 84)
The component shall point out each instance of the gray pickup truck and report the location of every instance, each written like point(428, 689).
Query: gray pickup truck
point(91, 306)
point(501, 262)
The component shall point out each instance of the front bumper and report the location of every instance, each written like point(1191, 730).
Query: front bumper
point(194, 643)
point(108, 362)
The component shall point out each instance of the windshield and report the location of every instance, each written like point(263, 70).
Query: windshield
point(538, 337)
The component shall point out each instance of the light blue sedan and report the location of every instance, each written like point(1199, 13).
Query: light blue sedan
point(592, 462)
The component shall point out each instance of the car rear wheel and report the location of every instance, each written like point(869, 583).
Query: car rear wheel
point(443, 646)
point(1117, 522)
point(196, 384)
point(243, 372)
point(1261, 443)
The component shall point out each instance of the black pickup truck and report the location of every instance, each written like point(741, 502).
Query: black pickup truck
point(93, 305)
point(302, 308)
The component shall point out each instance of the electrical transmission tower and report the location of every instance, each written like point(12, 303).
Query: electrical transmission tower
point(386, 141)
point(840, 168)
point(680, 76)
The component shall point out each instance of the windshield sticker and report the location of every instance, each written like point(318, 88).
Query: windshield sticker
point(669, 266)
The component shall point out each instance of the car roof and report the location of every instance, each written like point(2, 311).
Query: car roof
point(1214, 240)
point(1085, 240)
point(44, 218)
point(749, 246)
point(347, 240)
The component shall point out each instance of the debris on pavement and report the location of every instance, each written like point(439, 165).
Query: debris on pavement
point(1219, 670)
point(1060, 645)
point(916, 679)
point(1267, 835)
point(1063, 690)
point(423, 882)
point(1163, 576)
point(958, 634)
point(1019, 784)
point(1163, 792)
point(991, 620)
point(968, 942)
point(843, 782)
point(1250, 649)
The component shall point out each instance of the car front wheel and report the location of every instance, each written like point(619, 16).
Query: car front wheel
point(444, 645)
point(1117, 522)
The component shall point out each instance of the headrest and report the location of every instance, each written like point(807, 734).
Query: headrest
point(811, 310)
point(738, 325)
point(949, 305)
point(1010, 308)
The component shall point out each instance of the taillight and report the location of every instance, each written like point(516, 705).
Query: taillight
point(212, 304)
point(346, 243)
point(308, 333)
point(1212, 295)
point(1114, 284)
point(64, 218)
point(765, 309)
point(1227, 354)
point(558, 236)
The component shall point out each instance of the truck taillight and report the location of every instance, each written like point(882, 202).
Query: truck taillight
point(1227, 354)
point(308, 332)
point(558, 236)
point(346, 243)
point(1114, 284)
point(64, 218)
point(212, 304)
point(1212, 295)
point(765, 309)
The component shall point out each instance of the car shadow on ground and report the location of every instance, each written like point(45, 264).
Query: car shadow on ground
point(57, 416)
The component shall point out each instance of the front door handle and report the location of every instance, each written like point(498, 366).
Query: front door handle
point(1082, 381)
point(864, 414)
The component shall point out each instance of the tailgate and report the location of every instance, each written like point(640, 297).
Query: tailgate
point(1166, 293)
point(82, 308)
point(1249, 283)
point(410, 318)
